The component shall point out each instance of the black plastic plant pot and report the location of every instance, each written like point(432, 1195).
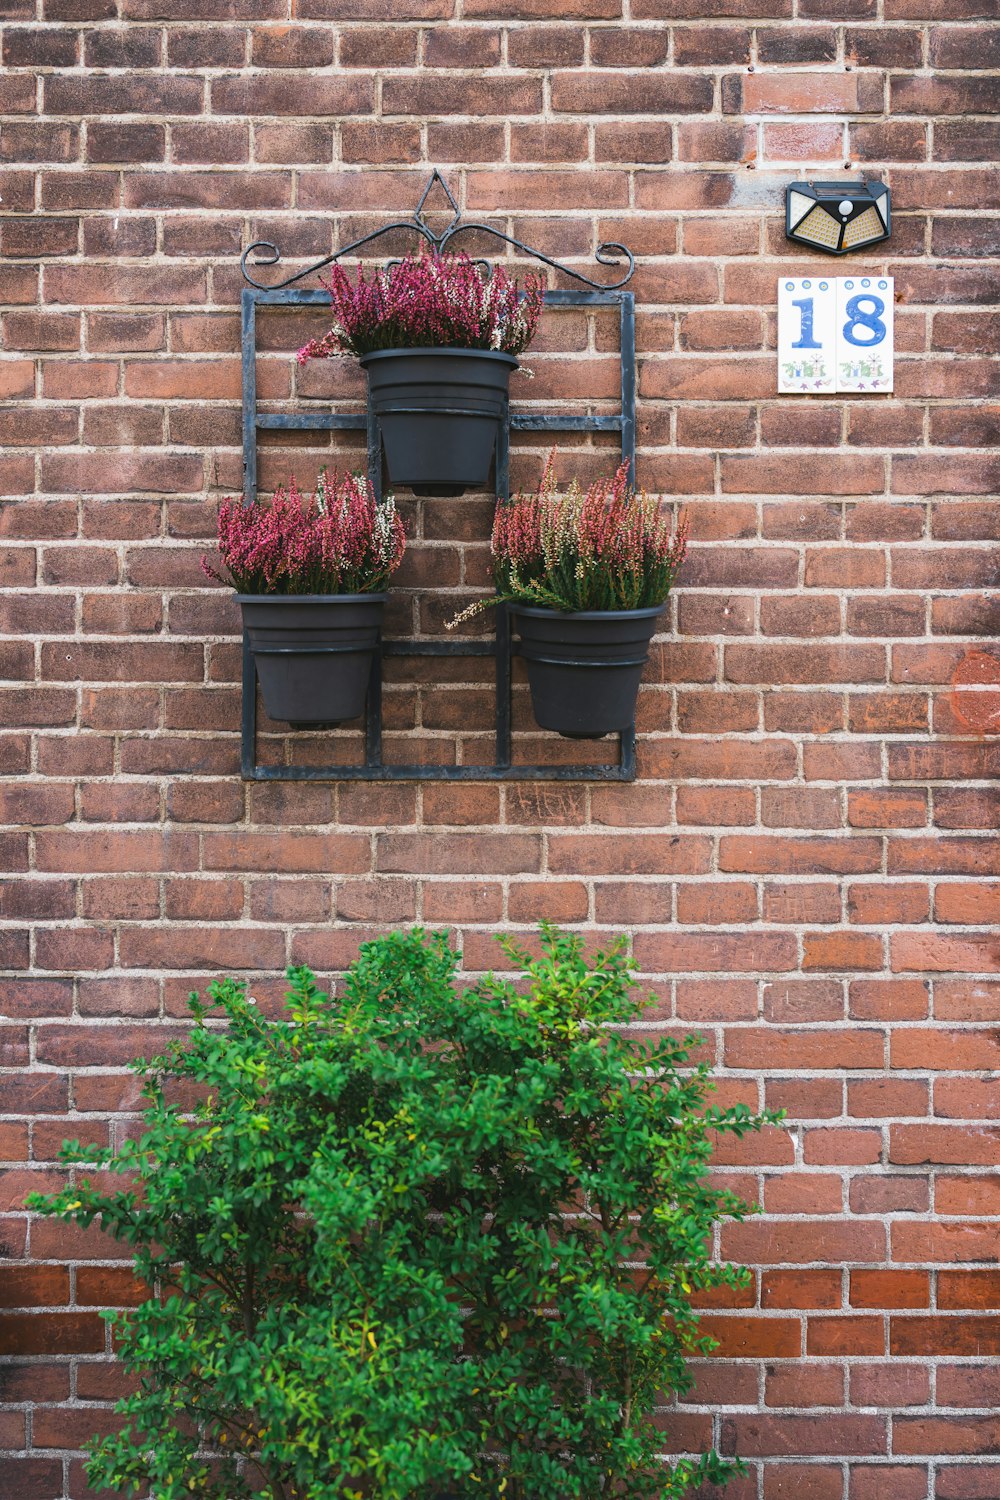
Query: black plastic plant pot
point(584, 669)
point(313, 653)
point(438, 410)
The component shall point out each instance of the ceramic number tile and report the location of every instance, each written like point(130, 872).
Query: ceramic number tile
point(807, 335)
point(864, 333)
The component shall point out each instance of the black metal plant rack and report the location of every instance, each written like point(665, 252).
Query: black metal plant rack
point(285, 293)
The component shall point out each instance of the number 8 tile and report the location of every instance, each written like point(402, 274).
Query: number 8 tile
point(864, 333)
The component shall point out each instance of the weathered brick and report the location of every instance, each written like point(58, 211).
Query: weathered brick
point(809, 93)
point(138, 93)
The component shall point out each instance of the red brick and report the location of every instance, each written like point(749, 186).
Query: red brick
point(36, 47)
point(963, 901)
point(462, 901)
point(874, 1097)
point(800, 1193)
point(632, 854)
point(884, 1289)
point(811, 1049)
point(715, 951)
point(966, 1482)
point(531, 10)
point(108, 1286)
point(701, 804)
point(889, 999)
point(725, 1000)
point(888, 808)
point(119, 997)
point(73, 948)
point(286, 852)
point(962, 999)
point(771, 853)
point(907, 1481)
point(804, 1098)
point(945, 1145)
point(809, 93)
point(804, 664)
point(199, 948)
point(967, 1098)
point(753, 1337)
point(100, 475)
point(802, 1289)
point(728, 901)
point(784, 44)
point(136, 47)
point(28, 1478)
point(937, 1436)
point(91, 850)
point(803, 1386)
point(917, 1048)
point(841, 950)
point(943, 96)
point(451, 95)
point(143, 93)
point(855, 1335)
point(36, 804)
point(362, 142)
point(35, 1286)
point(839, 1147)
point(560, 900)
point(804, 1481)
point(967, 1289)
point(941, 1242)
point(271, 900)
point(972, 952)
point(52, 1333)
point(801, 1000)
point(884, 1195)
point(753, 1436)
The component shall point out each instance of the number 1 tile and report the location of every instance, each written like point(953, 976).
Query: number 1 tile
point(807, 335)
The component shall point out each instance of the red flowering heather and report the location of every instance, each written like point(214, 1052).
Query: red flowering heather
point(337, 541)
point(609, 548)
point(426, 301)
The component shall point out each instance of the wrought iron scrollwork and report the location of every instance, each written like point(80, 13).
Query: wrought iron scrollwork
point(608, 253)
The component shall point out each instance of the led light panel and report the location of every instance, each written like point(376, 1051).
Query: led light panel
point(864, 230)
point(819, 228)
point(837, 216)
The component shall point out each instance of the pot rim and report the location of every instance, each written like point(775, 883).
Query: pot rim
point(310, 598)
point(540, 612)
point(439, 349)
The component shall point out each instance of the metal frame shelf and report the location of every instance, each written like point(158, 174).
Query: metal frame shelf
point(374, 767)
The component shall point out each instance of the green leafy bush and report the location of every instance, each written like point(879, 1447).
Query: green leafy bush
point(413, 1240)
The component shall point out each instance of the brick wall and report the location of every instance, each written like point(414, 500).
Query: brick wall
point(808, 865)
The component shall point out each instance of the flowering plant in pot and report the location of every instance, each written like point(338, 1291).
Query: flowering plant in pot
point(439, 338)
point(309, 572)
point(586, 573)
point(414, 1239)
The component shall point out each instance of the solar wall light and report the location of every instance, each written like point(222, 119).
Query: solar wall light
point(837, 216)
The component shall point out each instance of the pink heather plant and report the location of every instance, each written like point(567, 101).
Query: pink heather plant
point(609, 548)
point(337, 541)
point(426, 301)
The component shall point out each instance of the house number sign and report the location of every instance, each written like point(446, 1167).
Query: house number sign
point(834, 334)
